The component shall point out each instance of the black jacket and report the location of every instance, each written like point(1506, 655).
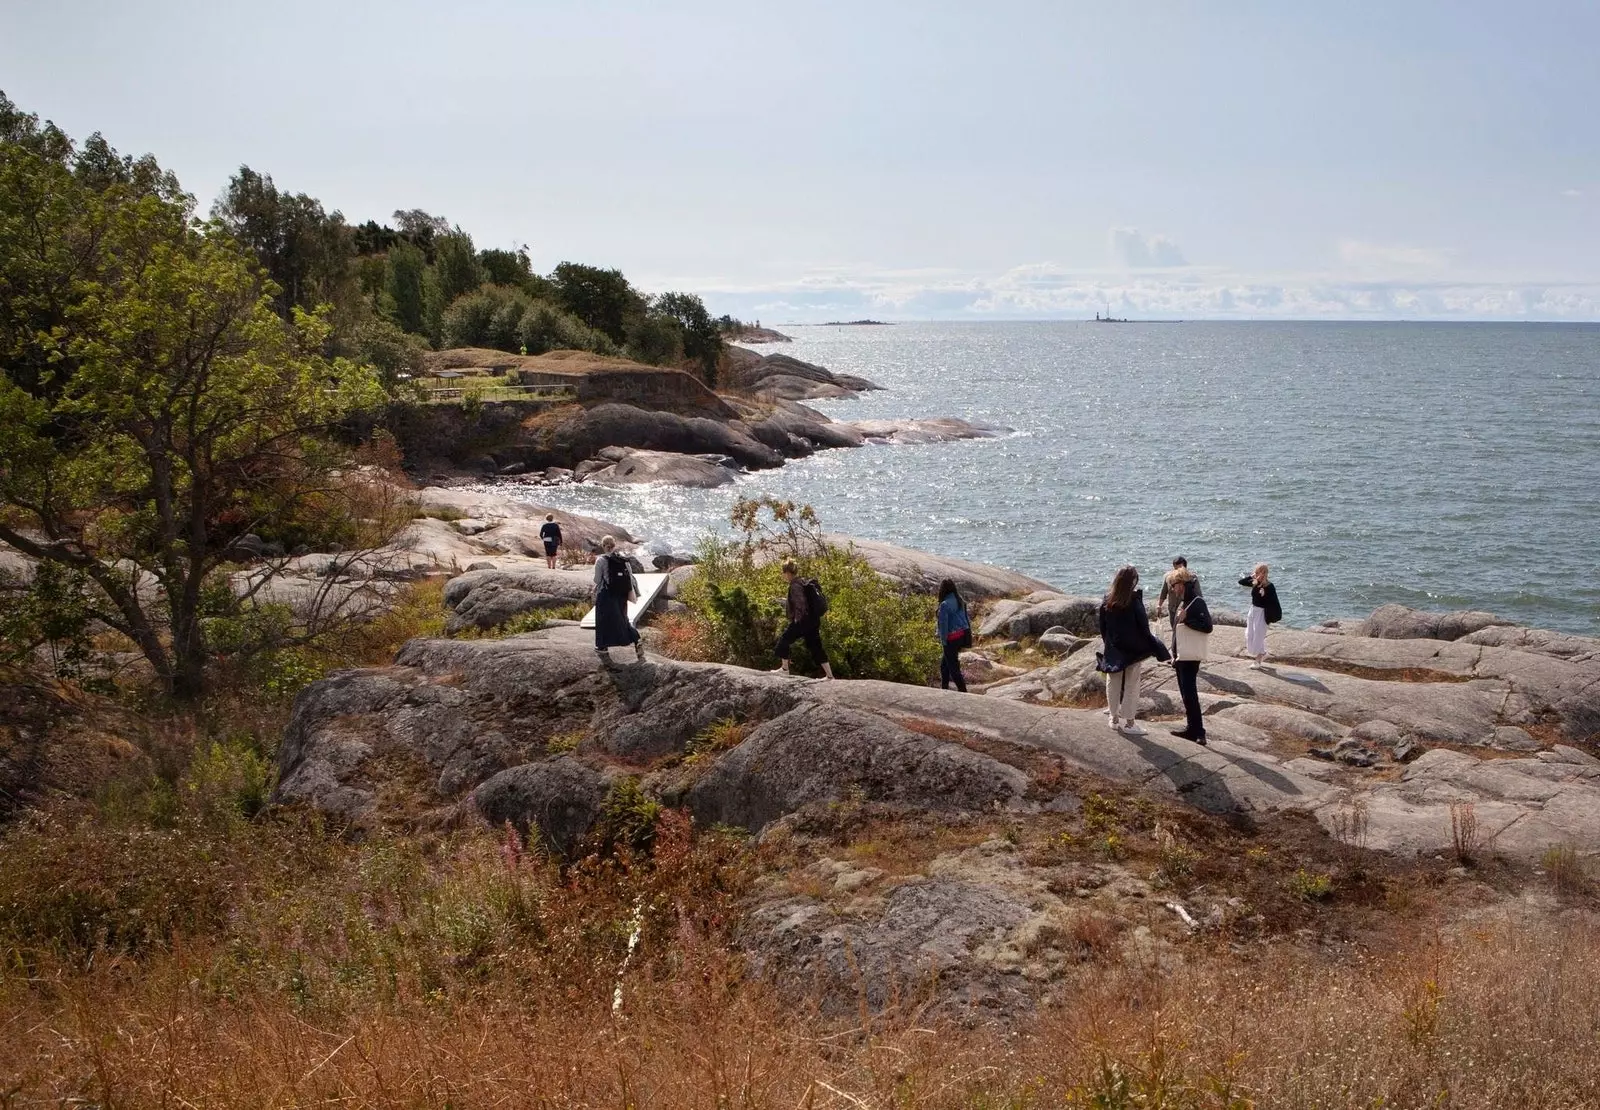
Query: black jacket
point(1264, 598)
point(1127, 636)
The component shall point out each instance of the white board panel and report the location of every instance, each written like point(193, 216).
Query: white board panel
point(649, 587)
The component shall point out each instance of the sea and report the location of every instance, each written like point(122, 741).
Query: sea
point(1440, 466)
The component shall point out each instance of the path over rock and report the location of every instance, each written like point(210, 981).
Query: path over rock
point(458, 712)
point(1366, 705)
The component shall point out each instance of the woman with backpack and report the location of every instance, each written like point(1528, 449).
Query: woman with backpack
point(1191, 630)
point(955, 634)
point(1128, 642)
point(613, 589)
point(803, 605)
point(1264, 610)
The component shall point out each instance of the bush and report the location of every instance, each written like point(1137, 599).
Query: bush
point(870, 631)
point(544, 327)
point(486, 317)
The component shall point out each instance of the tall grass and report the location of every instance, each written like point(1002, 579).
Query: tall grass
point(470, 972)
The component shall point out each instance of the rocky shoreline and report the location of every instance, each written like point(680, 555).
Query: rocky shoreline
point(1450, 737)
point(590, 418)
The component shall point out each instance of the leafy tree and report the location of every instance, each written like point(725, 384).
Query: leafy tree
point(502, 267)
point(455, 264)
point(486, 317)
point(402, 286)
point(656, 339)
point(50, 615)
point(394, 354)
point(544, 327)
point(420, 229)
point(154, 406)
point(700, 337)
point(374, 238)
point(305, 251)
point(602, 299)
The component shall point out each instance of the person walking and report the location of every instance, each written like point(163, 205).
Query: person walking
point(1264, 610)
point(1128, 642)
point(1191, 629)
point(955, 634)
point(613, 589)
point(550, 533)
point(804, 605)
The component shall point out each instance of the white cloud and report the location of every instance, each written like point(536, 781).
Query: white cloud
point(1378, 256)
point(1044, 290)
point(1572, 192)
point(1133, 250)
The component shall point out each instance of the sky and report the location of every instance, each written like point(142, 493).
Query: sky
point(916, 160)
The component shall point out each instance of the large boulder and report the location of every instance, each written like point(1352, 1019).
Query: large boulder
point(586, 434)
point(922, 572)
point(514, 523)
point(783, 377)
point(486, 599)
point(665, 467)
point(817, 753)
point(786, 422)
point(943, 429)
point(1079, 616)
point(1398, 622)
point(560, 798)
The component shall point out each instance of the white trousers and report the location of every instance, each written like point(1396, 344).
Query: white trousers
point(1255, 631)
point(1122, 691)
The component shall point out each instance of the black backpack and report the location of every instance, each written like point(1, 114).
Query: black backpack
point(1197, 615)
point(816, 600)
point(1273, 610)
point(619, 576)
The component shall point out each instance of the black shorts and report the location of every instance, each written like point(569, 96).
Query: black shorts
point(549, 549)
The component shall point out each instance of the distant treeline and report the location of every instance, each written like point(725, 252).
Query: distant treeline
point(423, 282)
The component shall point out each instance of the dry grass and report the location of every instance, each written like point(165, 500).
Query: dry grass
point(1489, 1019)
point(687, 637)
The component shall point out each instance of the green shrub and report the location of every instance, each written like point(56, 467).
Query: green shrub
point(627, 818)
point(227, 781)
point(871, 629)
point(1310, 886)
point(545, 327)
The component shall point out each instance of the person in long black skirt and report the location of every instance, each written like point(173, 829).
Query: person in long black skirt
point(613, 589)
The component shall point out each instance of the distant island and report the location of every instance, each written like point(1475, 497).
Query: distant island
point(755, 333)
point(857, 324)
point(1110, 319)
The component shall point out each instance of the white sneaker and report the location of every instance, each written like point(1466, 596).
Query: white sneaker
point(1133, 728)
point(1116, 725)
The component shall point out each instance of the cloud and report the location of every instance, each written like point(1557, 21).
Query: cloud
point(1377, 256)
point(1572, 192)
point(1133, 250)
point(1043, 290)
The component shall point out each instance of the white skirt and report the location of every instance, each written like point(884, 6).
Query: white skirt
point(1255, 631)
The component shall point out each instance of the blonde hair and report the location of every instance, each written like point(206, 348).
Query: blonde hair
point(608, 544)
point(1261, 569)
point(1181, 576)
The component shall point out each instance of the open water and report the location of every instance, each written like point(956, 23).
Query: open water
point(1436, 465)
